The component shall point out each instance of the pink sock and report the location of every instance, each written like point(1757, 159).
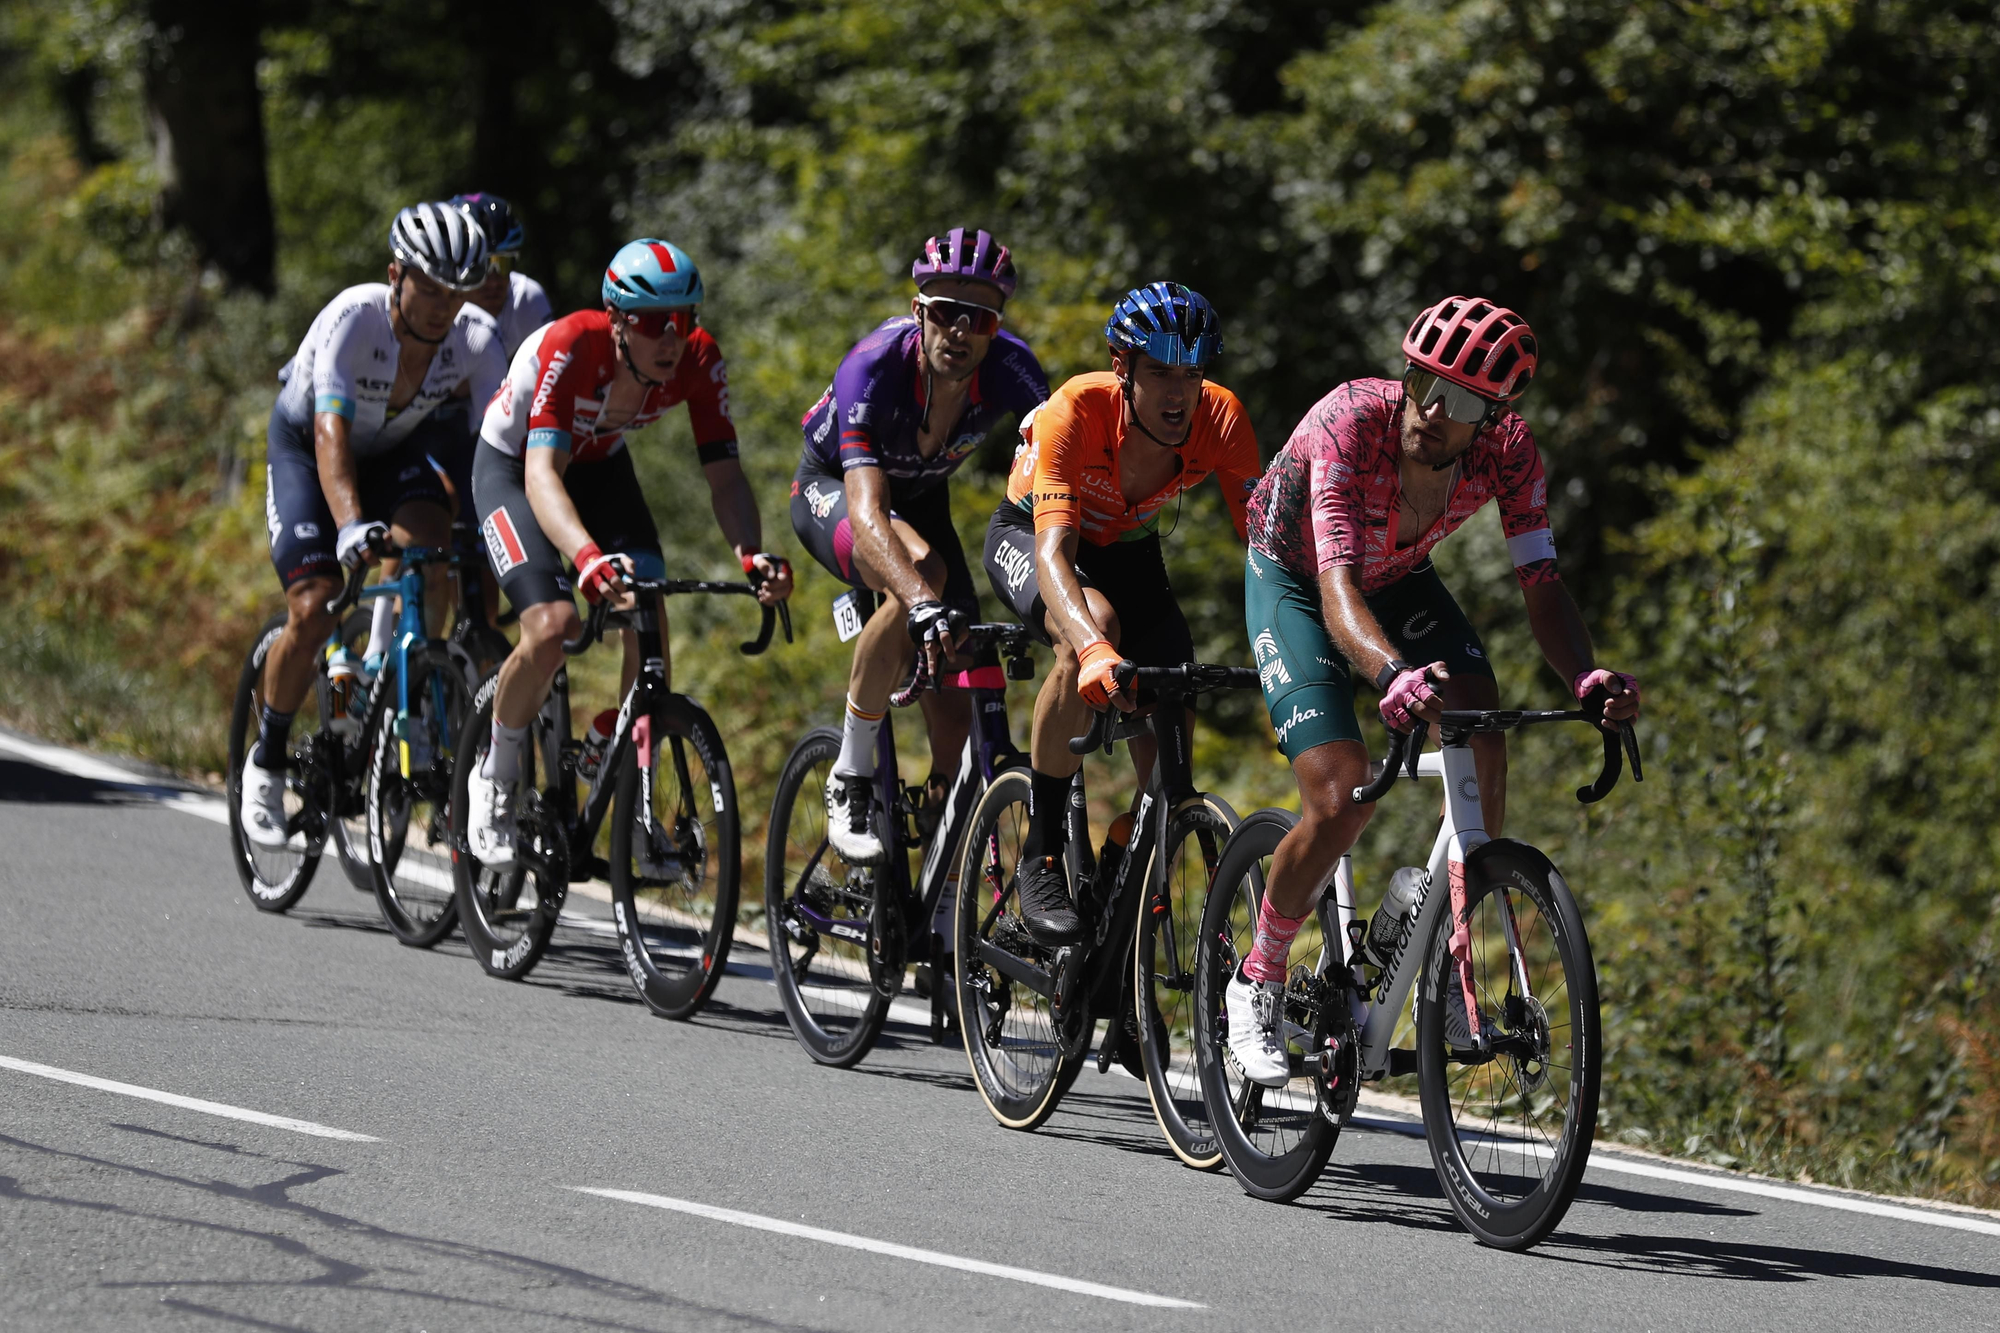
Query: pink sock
point(1275, 931)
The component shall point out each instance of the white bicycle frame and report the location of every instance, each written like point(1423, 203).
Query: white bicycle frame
point(1463, 828)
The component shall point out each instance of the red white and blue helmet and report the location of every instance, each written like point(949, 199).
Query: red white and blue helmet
point(442, 242)
point(966, 252)
point(495, 217)
point(652, 275)
point(1167, 322)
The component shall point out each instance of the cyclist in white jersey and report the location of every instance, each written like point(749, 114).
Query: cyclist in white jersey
point(348, 453)
point(513, 298)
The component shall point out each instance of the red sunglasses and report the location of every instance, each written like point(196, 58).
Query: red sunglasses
point(655, 323)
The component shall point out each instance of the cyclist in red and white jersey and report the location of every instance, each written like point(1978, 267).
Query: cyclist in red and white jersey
point(556, 491)
point(1339, 582)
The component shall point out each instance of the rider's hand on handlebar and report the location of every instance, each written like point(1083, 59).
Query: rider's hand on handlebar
point(360, 543)
point(936, 630)
point(600, 577)
point(1408, 696)
point(1095, 683)
point(770, 575)
point(1623, 703)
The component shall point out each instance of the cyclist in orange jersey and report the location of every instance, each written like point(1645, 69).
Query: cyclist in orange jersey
point(1075, 548)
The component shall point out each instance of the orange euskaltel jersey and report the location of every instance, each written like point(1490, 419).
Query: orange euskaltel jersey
point(1066, 470)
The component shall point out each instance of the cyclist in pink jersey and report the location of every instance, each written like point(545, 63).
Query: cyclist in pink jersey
point(1339, 581)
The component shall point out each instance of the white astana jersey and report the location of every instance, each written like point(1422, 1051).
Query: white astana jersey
point(527, 309)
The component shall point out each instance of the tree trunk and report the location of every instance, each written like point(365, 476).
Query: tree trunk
point(208, 128)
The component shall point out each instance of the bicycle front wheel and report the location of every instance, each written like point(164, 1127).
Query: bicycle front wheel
point(409, 839)
point(1275, 1140)
point(274, 877)
point(1163, 973)
point(508, 915)
point(1510, 1126)
point(675, 858)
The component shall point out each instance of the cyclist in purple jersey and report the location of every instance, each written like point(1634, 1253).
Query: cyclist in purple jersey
point(907, 406)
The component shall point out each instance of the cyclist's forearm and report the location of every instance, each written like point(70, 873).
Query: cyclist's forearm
point(1062, 590)
point(337, 475)
point(555, 513)
point(875, 541)
point(1559, 628)
point(1351, 625)
point(735, 506)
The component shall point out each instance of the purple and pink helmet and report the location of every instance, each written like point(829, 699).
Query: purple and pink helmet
point(965, 252)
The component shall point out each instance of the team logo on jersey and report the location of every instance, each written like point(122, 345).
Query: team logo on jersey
point(548, 383)
point(1410, 630)
point(305, 532)
point(1270, 663)
point(1016, 563)
point(820, 500)
point(1284, 729)
point(503, 544)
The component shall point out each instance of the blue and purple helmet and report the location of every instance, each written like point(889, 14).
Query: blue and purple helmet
point(1167, 322)
point(495, 215)
point(652, 275)
point(965, 252)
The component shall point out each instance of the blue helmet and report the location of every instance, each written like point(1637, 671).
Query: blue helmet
point(1167, 322)
point(496, 218)
point(652, 275)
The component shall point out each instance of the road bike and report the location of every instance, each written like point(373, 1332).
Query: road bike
point(672, 849)
point(1028, 1012)
point(840, 935)
point(1509, 1101)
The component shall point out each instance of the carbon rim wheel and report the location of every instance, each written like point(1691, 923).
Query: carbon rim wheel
point(674, 876)
point(1163, 974)
point(822, 974)
point(1275, 1140)
point(274, 877)
point(508, 915)
point(1011, 1038)
point(1510, 1135)
point(409, 835)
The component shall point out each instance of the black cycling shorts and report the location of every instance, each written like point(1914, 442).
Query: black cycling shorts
point(302, 529)
point(819, 517)
point(607, 499)
point(1131, 575)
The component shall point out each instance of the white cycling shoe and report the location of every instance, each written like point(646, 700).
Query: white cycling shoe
point(857, 849)
point(1254, 1007)
point(489, 823)
point(263, 809)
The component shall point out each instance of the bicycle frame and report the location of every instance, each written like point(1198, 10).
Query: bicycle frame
point(411, 632)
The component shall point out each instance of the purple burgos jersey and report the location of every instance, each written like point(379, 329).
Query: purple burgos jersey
point(870, 415)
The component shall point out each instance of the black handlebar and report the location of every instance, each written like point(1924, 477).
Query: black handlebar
point(1183, 681)
point(601, 613)
point(357, 577)
point(1406, 747)
point(997, 635)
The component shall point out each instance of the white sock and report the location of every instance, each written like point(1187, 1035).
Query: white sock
point(503, 758)
point(857, 743)
point(382, 626)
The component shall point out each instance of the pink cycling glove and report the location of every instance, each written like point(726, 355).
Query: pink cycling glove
point(1406, 691)
point(1614, 682)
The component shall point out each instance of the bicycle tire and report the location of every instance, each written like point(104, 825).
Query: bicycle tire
point(1276, 1141)
point(1163, 969)
point(675, 934)
point(506, 938)
point(268, 891)
point(414, 886)
point(836, 1013)
point(1019, 1061)
point(1469, 1147)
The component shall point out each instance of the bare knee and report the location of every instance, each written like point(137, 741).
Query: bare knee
point(305, 608)
point(544, 630)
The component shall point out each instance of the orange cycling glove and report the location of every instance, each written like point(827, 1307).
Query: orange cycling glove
point(1094, 684)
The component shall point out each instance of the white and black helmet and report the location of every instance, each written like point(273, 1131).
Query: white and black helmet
point(442, 242)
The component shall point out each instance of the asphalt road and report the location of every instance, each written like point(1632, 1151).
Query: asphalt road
point(478, 1112)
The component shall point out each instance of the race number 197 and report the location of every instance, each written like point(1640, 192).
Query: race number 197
point(847, 615)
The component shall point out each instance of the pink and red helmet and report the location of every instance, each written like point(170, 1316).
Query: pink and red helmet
point(965, 252)
point(1475, 344)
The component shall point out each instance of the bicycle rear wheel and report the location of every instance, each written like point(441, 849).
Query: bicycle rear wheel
point(1510, 1135)
point(1275, 1140)
point(1020, 1063)
point(508, 915)
point(817, 912)
point(274, 877)
point(409, 839)
point(674, 873)
point(1163, 972)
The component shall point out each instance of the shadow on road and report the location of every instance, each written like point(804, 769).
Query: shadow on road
point(1705, 1257)
point(33, 784)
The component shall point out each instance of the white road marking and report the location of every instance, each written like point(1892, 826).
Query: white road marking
point(894, 1250)
point(185, 1103)
point(1847, 1203)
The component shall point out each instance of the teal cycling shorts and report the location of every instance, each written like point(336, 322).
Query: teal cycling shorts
point(1308, 685)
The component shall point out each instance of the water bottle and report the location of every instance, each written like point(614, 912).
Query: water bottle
point(343, 689)
point(1396, 915)
point(591, 762)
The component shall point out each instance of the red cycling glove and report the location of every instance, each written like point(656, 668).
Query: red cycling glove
point(1094, 682)
point(597, 574)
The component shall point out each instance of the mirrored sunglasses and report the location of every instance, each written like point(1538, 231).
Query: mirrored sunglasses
point(655, 323)
point(978, 320)
point(1462, 405)
point(504, 263)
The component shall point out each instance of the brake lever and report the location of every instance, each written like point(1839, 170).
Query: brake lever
point(1630, 735)
point(1415, 751)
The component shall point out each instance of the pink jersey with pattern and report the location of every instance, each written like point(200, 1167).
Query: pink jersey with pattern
point(1330, 496)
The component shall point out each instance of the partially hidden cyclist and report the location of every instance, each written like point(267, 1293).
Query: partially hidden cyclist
point(908, 404)
point(1339, 583)
point(556, 489)
point(516, 301)
point(348, 453)
point(1075, 547)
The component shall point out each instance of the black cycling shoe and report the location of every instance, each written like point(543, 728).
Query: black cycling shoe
point(1044, 902)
